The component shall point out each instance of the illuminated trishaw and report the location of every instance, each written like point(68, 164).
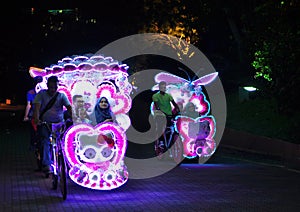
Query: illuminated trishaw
point(196, 133)
point(94, 152)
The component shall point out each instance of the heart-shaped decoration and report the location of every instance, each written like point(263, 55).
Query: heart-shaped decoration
point(96, 155)
point(202, 104)
point(66, 91)
point(123, 121)
point(121, 101)
point(194, 130)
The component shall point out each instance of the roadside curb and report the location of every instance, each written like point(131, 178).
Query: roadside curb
point(288, 152)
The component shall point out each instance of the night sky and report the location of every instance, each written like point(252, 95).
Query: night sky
point(23, 42)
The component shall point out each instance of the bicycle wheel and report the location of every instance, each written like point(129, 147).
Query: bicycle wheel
point(177, 149)
point(159, 151)
point(54, 181)
point(62, 175)
point(38, 160)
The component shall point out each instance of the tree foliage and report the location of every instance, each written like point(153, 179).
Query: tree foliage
point(274, 44)
point(265, 32)
point(175, 18)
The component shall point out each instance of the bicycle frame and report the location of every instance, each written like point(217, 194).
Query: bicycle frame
point(170, 143)
point(58, 157)
point(168, 136)
point(55, 141)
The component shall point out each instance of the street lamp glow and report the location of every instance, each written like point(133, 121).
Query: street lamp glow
point(250, 88)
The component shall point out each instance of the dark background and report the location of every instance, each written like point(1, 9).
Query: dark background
point(32, 36)
point(230, 32)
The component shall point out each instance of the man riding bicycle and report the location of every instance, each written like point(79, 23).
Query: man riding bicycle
point(49, 113)
point(162, 102)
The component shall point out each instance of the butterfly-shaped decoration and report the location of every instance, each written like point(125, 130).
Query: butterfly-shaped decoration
point(196, 130)
point(186, 86)
point(184, 90)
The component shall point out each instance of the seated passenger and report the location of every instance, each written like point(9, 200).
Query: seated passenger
point(190, 111)
point(103, 112)
point(82, 116)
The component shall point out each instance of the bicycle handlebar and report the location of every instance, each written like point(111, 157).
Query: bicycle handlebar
point(56, 127)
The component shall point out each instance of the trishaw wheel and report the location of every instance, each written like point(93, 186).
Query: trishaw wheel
point(39, 165)
point(177, 150)
point(159, 151)
point(54, 182)
point(62, 176)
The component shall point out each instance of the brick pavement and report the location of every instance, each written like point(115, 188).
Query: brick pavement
point(227, 182)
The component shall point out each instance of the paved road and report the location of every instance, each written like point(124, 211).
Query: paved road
point(229, 181)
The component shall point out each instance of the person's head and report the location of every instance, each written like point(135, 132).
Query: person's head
point(78, 101)
point(191, 110)
point(52, 84)
point(191, 107)
point(103, 103)
point(162, 86)
point(37, 80)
